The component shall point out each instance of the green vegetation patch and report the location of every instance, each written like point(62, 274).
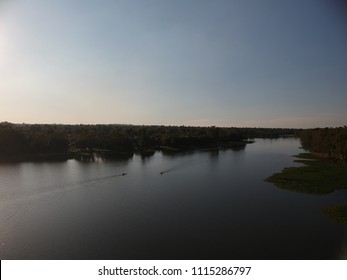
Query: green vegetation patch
point(306, 156)
point(338, 213)
point(317, 176)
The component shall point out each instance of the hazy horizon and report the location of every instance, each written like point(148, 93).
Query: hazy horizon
point(254, 63)
point(153, 124)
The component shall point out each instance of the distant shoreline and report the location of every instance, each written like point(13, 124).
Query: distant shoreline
point(78, 154)
point(58, 142)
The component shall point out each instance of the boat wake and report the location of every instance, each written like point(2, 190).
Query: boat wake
point(178, 167)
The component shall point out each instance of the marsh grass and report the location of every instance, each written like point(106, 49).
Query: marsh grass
point(337, 213)
point(316, 176)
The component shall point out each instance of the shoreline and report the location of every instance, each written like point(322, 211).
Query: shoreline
point(317, 176)
point(79, 153)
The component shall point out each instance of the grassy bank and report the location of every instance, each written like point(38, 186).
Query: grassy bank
point(337, 212)
point(317, 176)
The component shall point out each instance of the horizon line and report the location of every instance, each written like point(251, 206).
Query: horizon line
point(166, 125)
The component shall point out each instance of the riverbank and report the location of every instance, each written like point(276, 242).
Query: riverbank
point(338, 213)
point(317, 176)
point(89, 154)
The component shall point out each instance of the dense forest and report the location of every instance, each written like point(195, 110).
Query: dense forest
point(326, 142)
point(17, 140)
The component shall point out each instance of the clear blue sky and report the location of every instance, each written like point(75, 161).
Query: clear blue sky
point(267, 63)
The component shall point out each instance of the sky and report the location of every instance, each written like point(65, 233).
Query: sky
point(243, 63)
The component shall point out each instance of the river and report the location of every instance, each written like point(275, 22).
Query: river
point(203, 204)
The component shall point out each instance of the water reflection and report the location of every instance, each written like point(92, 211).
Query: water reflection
point(238, 148)
point(179, 153)
point(145, 154)
point(85, 157)
point(207, 204)
point(213, 155)
point(103, 157)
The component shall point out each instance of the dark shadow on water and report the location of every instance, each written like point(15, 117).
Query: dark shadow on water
point(146, 154)
point(105, 157)
point(175, 154)
point(213, 154)
point(212, 151)
point(59, 157)
point(236, 148)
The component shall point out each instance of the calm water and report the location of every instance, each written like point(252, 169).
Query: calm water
point(208, 205)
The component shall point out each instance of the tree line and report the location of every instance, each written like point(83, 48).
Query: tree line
point(22, 139)
point(329, 142)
